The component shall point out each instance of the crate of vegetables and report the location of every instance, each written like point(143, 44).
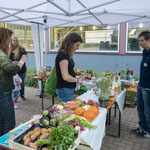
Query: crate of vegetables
point(38, 137)
point(19, 145)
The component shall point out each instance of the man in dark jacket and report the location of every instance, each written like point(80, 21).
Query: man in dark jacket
point(143, 89)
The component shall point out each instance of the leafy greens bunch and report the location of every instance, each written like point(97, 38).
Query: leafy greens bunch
point(62, 137)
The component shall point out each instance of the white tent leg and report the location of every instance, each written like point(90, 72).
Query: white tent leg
point(37, 34)
point(46, 38)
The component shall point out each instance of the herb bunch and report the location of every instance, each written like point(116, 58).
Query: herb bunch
point(62, 137)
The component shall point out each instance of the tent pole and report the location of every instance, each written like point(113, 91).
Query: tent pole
point(22, 10)
point(91, 13)
point(59, 7)
point(100, 5)
point(14, 16)
point(46, 38)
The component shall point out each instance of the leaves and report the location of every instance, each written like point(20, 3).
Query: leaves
point(106, 84)
point(61, 137)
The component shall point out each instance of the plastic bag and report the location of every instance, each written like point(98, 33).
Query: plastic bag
point(50, 85)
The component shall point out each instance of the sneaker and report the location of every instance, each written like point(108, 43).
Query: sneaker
point(24, 99)
point(16, 106)
point(147, 135)
point(137, 131)
point(144, 135)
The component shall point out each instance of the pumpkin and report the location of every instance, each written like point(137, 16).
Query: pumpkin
point(94, 110)
point(79, 111)
point(89, 115)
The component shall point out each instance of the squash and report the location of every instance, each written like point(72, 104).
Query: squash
point(79, 111)
point(94, 110)
point(89, 115)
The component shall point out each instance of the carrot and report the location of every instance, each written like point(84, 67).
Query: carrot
point(72, 107)
point(77, 99)
point(70, 103)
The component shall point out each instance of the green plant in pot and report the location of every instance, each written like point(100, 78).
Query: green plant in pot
point(106, 85)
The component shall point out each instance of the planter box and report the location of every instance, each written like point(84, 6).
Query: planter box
point(17, 146)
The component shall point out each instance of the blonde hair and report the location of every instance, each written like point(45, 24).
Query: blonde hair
point(5, 35)
point(68, 43)
point(16, 49)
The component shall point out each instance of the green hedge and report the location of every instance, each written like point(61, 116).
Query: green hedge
point(29, 82)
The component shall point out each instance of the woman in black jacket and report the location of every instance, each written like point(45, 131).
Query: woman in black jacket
point(16, 53)
point(7, 70)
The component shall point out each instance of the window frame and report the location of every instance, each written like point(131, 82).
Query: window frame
point(11, 24)
point(90, 51)
point(126, 49)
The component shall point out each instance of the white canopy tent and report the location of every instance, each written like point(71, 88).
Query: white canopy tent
point(62, 13)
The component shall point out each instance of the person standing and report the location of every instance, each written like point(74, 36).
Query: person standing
point(7, 71)
point(143, 89)
point(66, 78)
point(16, 90)
point(16, 53)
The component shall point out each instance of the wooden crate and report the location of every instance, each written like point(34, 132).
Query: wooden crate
point(16, 146)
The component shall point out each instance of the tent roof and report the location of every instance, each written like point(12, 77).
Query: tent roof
point(60, 13)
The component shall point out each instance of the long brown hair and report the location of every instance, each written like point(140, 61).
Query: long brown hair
point(5, 35)
point(68, 43)
point(16, 49)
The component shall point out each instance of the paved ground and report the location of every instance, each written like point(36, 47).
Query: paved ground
point(127, 141)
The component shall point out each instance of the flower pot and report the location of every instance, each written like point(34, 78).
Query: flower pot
point(103, 103)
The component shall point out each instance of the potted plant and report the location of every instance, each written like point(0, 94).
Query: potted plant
point(106, 86)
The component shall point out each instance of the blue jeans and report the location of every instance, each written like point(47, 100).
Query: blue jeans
point(22, 76)
point(65, 94)
point(143, 107)
point(7, 114)
point(15, 95)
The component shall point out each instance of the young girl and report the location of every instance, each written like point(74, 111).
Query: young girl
point(16, 90)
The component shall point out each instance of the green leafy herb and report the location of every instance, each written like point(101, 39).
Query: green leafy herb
point(62, 137)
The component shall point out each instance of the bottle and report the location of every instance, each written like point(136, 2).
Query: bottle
point(114, 83)
point(119, 84)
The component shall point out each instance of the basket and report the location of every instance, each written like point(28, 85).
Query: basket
point(17, 146)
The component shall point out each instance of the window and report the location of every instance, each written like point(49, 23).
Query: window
point(2, 25)
point(133, 32)
point(95, 38)
point(24, 34)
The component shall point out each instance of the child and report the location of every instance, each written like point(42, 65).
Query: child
point(16, 91)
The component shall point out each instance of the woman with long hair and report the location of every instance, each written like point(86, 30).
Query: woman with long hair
point(16, 53)
point(7, 70)
point(66, 78)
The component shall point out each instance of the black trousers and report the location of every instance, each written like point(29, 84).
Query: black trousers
point(7, 114)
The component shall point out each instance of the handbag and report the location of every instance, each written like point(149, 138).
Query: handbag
point(50, 85)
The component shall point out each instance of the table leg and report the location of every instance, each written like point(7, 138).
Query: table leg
point(109, 115)
point(42, 95)
point(53, 100)
point(115, 109)
point(119, 125)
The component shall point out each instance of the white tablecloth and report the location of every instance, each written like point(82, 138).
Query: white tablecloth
point(120, 99)
point(94, 137)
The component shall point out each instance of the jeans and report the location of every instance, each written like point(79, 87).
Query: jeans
point(143, 107)
point(65, 94)
point(22, 76)
point(15, 95)
point(7, 114)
